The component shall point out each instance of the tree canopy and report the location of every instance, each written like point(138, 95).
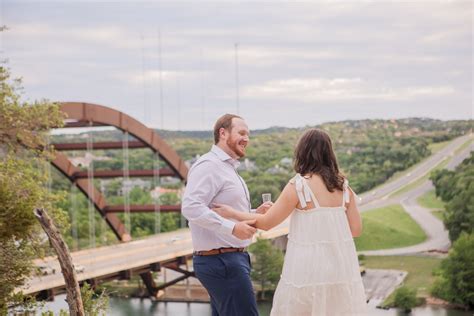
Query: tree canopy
point(456, 188)
point(267, 264)
point(456, 277)
point(24, 152)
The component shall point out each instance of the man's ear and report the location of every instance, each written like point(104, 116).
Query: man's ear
point(222, 132)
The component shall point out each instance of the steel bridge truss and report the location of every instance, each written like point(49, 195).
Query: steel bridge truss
point(91, 115)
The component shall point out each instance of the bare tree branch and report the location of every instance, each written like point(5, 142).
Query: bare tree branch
point(73, 291)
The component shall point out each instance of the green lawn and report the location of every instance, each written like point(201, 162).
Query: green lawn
point(439, 215)
point(431, 201)
point(420, 271)
point(435, 147)
point(388, 227)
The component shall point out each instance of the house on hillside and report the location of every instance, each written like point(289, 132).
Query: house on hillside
point(158, 191)
point(247, 165)
point(87, 159)
point(286, 162)
point(276, 170)
point(128, 185)
point(169, 180)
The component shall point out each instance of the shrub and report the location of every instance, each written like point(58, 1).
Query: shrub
point(456, 276)
point(405, 298)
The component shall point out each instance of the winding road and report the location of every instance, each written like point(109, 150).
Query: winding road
point(437, 235)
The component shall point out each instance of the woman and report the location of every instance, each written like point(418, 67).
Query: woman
point(321, 273)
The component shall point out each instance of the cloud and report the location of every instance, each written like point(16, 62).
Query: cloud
point(357, 56)
point(339, 89)
point(108, 35)
point(137, 78)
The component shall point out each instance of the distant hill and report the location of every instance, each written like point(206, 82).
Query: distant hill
point(368, 151)
point(423, 124)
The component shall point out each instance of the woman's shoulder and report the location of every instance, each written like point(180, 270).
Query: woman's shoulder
point(297, 177)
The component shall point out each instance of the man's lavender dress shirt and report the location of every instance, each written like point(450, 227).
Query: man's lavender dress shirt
point(214, 179)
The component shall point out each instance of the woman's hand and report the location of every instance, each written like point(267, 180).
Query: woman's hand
point(223, 210)
point(262, 209)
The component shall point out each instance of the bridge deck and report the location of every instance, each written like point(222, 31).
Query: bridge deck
point(137, 256)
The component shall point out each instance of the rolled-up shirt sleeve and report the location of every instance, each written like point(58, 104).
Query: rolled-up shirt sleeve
point(203, 185)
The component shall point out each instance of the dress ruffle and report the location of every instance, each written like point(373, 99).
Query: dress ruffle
point(321, 273)
point(340, 299)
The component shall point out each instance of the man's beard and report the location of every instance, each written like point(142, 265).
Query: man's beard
point(234, 146)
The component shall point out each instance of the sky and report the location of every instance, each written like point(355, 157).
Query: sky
point(181, 65)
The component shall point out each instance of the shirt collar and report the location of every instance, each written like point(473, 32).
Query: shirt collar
point(222, 155)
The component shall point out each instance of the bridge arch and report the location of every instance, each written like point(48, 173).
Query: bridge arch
point(88, 115)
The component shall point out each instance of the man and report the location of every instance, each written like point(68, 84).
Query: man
point(220, 260)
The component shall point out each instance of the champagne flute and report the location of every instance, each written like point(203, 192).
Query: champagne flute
point(266, 197)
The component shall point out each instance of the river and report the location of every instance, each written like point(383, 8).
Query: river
point(145, 307)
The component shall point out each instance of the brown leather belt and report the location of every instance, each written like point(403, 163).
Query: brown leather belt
point(213, 252)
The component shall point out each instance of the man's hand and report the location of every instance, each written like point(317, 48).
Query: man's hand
point(262, 209)
point(244, 230)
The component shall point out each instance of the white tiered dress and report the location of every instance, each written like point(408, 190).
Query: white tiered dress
point(321, 272)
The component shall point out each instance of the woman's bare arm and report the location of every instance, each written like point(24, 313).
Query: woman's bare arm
point(353, 216)
point(228, 212)
point(276, 214)
point(282, 208)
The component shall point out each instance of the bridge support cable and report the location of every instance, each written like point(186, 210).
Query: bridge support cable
point(73, 213)
point(183, 219)
point(90, 184)
point(49, 181)
point(90, 115)
point(103, 222)
point(157, 190)
point(148, 278)
point(126, 185)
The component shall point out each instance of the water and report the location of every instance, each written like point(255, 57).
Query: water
point(146, 307)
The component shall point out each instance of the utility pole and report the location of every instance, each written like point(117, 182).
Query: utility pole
point(178, 102)
point(145, 114)
point(160, 80)
point(203, 91)
point(237, 78)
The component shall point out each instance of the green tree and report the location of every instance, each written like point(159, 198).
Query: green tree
point(456, 188)
point(24, 152)
point(94, 305)
point(267, 264)
point(456, 275)
point(405, 298)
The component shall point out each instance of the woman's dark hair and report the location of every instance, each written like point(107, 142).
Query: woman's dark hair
point(314, 154)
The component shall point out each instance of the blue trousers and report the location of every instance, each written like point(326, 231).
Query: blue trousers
point(226, 277)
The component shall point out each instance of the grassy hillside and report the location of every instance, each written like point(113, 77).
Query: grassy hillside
point(432, 202)
point(388, 227)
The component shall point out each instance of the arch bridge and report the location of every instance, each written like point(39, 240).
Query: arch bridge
point(93, 115)
point(90, 115)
